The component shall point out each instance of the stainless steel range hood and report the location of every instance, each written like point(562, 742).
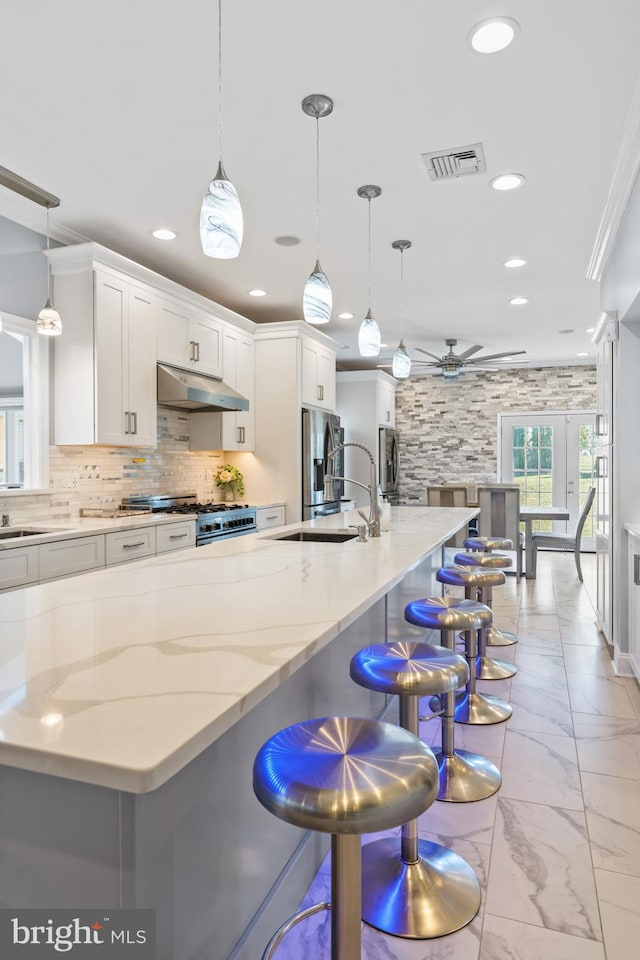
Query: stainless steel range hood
point(187, 390)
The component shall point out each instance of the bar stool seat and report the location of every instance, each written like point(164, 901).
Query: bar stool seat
point(399, 886)
point(345, 776)
point(488, 543)
point(473, 707)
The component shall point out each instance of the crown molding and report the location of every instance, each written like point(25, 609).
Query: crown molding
point(624, 176)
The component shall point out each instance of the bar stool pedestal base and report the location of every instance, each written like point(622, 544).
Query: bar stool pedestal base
point(489, 669)
point(478, 708)
point(466, 777)
point(435, 896)
point(500, 638)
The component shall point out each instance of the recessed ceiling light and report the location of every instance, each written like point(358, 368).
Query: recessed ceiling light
point(163, 233)
point(582, 354)
point(257, 293)
point(518, 301)
point(507, 181)
point(515, 262)
point(566, 331)
point(493, 35)
point(345, 316)
point(589, 329)
point(287, 241)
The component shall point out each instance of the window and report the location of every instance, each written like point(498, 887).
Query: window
point(24, 392)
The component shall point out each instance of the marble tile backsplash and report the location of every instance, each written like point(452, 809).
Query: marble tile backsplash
point(90, 477)
point(448, 428)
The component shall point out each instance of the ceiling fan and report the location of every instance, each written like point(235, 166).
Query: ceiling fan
point(451, 363)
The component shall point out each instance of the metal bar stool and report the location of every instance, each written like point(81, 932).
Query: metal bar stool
point(488, 668)
point(422, 889)
point(495, 637)
point(344, 776)
point(471, 706)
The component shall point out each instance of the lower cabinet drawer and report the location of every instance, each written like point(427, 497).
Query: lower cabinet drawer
point(270, 517)
point(18, 567)
point(175, 536)
point(64, 557)
point(130, 545)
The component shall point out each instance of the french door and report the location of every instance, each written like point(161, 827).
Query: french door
point(551, 457)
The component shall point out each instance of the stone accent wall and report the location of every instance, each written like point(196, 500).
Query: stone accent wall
point(102, 476)
point(448, 428)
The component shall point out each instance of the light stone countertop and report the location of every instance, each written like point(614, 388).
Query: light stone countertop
point(86, 527)
point(120, 677)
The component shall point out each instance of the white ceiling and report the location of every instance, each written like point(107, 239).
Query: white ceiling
point(114, 109)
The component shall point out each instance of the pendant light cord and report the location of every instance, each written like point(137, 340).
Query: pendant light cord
point(318, 187)
point(402, 294)
point(369, 202)
point(220, 79)
point(48, 263)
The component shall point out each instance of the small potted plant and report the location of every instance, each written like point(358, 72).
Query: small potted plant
point(231, 481)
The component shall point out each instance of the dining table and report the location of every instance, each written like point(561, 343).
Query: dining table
point(528, 514)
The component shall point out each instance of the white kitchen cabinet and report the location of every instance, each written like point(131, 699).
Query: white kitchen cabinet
point(105, 364)
point(270, 517)
point(604, 469)
point(230, 430)
point(130, 545)
point(18, 567)
point(175, 536)
point(365, 401)
point(318, 375)
point(386, 402)
point(65, 557)
point(634, 604)
point(189, 339)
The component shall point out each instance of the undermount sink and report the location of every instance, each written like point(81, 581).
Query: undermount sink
point(317, 536)
point(10, 534)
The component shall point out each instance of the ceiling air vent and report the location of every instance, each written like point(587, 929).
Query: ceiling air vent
point(458, 162)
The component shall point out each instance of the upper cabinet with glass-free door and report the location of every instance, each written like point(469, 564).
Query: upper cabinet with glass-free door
point(105, 362)
point(188, 338)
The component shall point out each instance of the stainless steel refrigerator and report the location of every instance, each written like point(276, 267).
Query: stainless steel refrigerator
point(321, 434)
point(388, 461)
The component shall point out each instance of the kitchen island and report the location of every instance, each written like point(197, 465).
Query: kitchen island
point(133, 700)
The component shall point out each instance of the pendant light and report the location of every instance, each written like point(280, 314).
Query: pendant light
point(49, 323)
point(221, 223)
point(401, 364)
point(317, 300)
point(369, 338)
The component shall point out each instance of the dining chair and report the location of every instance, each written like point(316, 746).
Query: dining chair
point(500, 516)
point(562, 541)
point(449, 496)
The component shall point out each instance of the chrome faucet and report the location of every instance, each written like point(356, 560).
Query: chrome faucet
point(373, 520)
point(5, 519)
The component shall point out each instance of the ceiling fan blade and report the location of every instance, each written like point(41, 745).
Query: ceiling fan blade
point(496, 356)
point(428, 354)
point(469, 352)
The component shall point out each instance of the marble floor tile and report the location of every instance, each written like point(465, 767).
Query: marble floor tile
point(534, 670)
point(612, 807)
point(633, 692)
point(510, 940)
point(586, 659)
point(530, 620)
point(578, 632)
point(539, 642)
point(460, 821)
point(602, 695)
point(620, 910)
point(541, 710)
point(578, 610)
point(608, 745)
point(540, 768)
point(541, 869)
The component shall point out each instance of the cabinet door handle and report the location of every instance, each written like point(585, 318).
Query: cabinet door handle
point(178, 536)
point(600, 473)
point(320, 392)
point(134, 416)
point(388, 415)
point(240, 435)
point(127, 422)
point(636, 569)
point(192, 350)
point(599, 424)
point(197, 357)
point(274, 516)
point(130, 546)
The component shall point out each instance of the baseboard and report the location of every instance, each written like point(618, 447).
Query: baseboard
point(623, 664)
